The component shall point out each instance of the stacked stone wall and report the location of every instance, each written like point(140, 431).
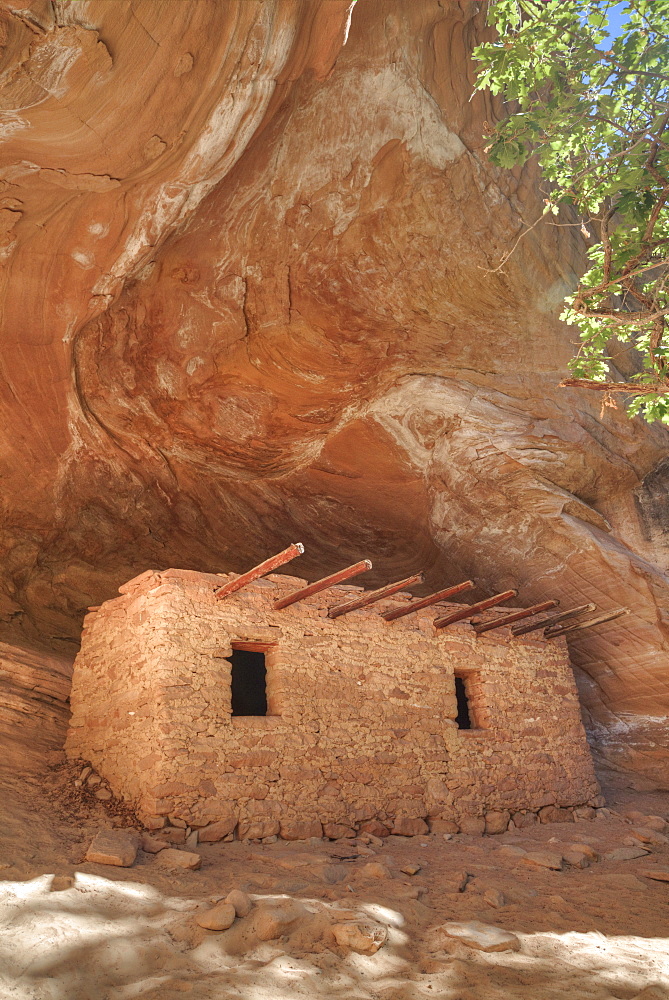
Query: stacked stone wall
point(360, 731)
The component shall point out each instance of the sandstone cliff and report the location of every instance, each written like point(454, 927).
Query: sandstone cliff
point(250, 296)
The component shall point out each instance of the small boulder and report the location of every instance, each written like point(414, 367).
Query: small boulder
point(240, 901)
point(338, 831)
point(214, 832)
point(154, 822)
point(173, 834)
point(482, 937)
point(152, 845)
point(584, 812)
point(649, 822)
point(590, 853)
point(273, 919)
point(219, 918)
point(374, 869)
point(456, 881)
point(523, 819)
point(407, 826)
point(575, 858)
point(59, 883)
point(410, 868)
point(553, 814)
point(625, 854)
point(648, 836)
point(494, 898)
point(543, 859)
point(511, 851)
point(362, 936)
point(103, 794)
point(655, 873)
point(473, 825)
point(257, 829)
point(172, 858)
point(300, 829)
point(375, 827)
point(114, 847)
point(656, 823)
point(497, 821)
point(443, 826)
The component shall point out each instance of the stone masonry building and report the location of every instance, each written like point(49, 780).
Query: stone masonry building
point(290, 722)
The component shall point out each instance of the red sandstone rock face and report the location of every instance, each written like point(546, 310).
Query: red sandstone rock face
point(248, 298)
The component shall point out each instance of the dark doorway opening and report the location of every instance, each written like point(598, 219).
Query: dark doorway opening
point(463, 718)
point(249, 688)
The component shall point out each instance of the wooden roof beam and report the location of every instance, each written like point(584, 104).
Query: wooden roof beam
point(552, 620)
point(552, 633)
point(516, 617)
point(458, 616)
point(374, 595)
point(262, 569)
point(328, 581)
point(440, 595)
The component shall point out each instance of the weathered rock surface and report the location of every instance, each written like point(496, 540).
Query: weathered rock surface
point(213, 832)
point(272, 919)
point(625, 854)
point(405, 826)
point(258, 295)
point(375, 869)
point(657, 874)
point(649, 822)
point(153, 845)
point(543, 859)
point(494, 898)
point(114, 847)
point(649, 836)
point(363, 936)
point(174, 858)
point(218, 918)
point(482, 937)
point(61, 883)
point(241, 902)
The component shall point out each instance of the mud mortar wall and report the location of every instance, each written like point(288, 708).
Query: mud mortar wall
point(362, 726)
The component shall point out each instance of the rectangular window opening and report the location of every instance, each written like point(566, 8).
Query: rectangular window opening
point(249, 679)
point(463, 719)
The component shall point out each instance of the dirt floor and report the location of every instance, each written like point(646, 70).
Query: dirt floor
point(599, 932)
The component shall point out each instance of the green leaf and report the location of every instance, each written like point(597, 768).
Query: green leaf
point(593, 113)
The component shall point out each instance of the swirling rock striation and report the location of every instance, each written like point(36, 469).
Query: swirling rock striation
point(251, 295)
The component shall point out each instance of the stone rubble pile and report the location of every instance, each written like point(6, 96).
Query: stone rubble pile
point(92, 782)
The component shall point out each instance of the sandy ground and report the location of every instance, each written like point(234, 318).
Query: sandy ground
point(600, 932)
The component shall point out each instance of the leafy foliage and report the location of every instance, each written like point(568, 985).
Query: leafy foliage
point(595, 113)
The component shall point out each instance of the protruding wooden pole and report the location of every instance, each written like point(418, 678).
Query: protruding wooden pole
point(458, 616)
point(262, 569)
point(441, 595)
point(516, 617)
point(551, 633)
point(374, 595)
point(552, 620)
point(327, 581)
